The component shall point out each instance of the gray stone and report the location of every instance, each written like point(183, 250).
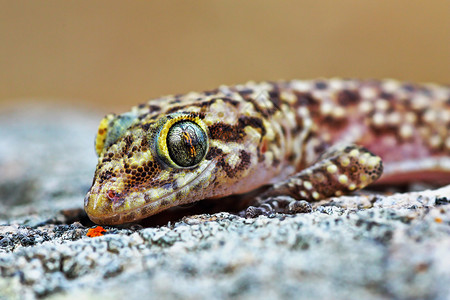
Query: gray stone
point(367, 246)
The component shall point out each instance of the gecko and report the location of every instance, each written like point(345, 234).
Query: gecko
point(306, 139)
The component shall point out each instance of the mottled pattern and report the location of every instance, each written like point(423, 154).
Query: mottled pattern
point(246, 136)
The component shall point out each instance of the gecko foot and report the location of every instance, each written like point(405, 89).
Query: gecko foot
point(279, 204)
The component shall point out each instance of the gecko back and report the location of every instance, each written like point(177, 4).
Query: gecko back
point(181, 149)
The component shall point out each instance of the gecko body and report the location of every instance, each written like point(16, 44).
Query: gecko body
point(309, 140)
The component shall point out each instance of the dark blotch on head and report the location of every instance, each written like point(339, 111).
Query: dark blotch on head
point(211, 92)
point(321, 85)
point(153, 108)
point(347, 97)
point(246, 92)
point(128, 142)
point(387, 96)
point(225, 132)
point(202, 103)
point(253, 122)
point(245, 160)
point(230, 101)
point(306, 99)
point(213, 152)
point(275, 98)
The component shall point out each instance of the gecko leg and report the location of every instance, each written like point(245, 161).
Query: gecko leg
point(339, 171)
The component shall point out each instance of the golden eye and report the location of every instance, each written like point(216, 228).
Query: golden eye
point(186, 143)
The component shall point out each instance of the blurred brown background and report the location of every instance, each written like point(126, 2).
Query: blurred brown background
point(113, 54)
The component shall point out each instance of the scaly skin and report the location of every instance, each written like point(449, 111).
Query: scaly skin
point(181, 149)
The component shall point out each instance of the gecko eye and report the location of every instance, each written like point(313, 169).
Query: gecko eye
point(186, 143)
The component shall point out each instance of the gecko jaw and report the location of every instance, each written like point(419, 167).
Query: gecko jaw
point(139, 205)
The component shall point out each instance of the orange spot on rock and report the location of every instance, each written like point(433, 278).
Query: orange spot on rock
point(97, 231)
point(438, 220)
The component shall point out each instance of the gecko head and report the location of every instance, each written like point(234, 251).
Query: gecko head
point(145, 167)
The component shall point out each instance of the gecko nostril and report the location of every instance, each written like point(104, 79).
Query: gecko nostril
point(112, 195)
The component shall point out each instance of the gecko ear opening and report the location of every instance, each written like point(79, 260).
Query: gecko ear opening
point(111, 128)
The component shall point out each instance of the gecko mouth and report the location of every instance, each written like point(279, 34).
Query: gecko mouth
point(149, 205)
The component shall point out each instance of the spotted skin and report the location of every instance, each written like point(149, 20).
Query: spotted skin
point(341, 170)
point(310, 140)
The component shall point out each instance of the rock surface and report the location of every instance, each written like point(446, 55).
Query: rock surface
point(369, 246)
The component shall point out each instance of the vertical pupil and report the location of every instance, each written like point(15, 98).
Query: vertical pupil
point(189, 139)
